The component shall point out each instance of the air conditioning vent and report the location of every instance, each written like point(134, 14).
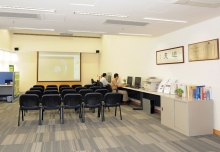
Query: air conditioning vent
point(66, 34)
point(19, 15)
point(200, 3)
point(30, 34)
point(120, 22)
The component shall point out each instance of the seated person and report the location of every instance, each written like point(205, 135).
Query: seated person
point(103, 80)
point(115, 86)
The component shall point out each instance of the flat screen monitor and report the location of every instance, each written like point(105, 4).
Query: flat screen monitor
point(137, 81)
point(129, 80)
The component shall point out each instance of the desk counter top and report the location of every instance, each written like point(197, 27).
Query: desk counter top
point(3, 85)
point(175, 97)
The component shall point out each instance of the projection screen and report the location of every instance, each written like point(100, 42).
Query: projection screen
point(58, 66)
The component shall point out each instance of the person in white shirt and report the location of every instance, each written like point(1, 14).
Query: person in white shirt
point(103, 80)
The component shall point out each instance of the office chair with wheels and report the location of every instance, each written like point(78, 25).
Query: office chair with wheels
point(92, 100)
point(29, 102)
point(113, 100)
point(52, 102)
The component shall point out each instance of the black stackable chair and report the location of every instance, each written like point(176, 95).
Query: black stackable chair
point(63, 85)
point(113, 100)
point(109, 88)
point(103, 92)
point(37, 88)
point(51, 88)
point(41, 86)
point(64, 88)
point(67, 91)
point(92, 100)
point(94, 88)
point(51, 92)
point(37, 92)
point(79, 88)
point(76, 85)
point(28, 102)
point(88, 85)
point(51, 102)
point(83, 92)
point(73, 101)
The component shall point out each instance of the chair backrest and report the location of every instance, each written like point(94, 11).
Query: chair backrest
point(72, 100)
point(64, 88)
point(63, 85)
point(79, 88)
point(29, 101)
point(41, 86)
point(83, 92)
point(51, 101)
point(51, 92)
point(51, 88)
point(37, 92)
point(67, 91)
point(109, 87)
point(76, 85)
point(101, 84)
point(93, 98)
point(88, 85)
point(113, 98)
point(92, 81)
point(94, 88)
point(37, 88)
point(102, 91)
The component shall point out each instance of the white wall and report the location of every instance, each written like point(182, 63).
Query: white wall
point(5, 40)
point(55, 43)
point(125, 55)
point(136, 56)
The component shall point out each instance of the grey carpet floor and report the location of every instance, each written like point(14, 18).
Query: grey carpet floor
point(137, 132)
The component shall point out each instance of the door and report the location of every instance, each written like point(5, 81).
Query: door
point(167, 112)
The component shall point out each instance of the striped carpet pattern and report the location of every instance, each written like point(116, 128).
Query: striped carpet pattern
point(137, 132)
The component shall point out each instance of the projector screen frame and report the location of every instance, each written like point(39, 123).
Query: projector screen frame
point(60, 80)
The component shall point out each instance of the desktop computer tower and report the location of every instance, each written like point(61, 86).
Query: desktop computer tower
point(148, 106)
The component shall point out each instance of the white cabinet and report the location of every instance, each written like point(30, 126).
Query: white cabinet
point(189, 117)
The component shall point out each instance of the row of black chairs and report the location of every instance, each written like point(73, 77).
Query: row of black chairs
point(63, 85)
point(70, 101)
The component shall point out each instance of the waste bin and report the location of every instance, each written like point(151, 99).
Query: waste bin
point(9, 98)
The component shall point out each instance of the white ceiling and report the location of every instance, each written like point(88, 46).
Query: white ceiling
point(64, 19)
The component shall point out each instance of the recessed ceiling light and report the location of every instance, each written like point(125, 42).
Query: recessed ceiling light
point(135, 34)
point(76, 31)
point(27, 8)
point(166, 20)
point(100, 14)
point(27, 28)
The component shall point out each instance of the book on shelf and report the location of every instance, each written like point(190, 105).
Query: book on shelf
point(199, 92)
point(190, 90)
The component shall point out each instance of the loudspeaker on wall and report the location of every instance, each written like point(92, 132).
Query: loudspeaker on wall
point(16, 49)
point(97, 51)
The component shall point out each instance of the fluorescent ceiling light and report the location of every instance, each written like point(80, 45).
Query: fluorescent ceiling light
point(82, 4)
point(27, 28)
point(76, 31)
point(166, 20)
point(135, 34)
point(100, 14)
point(27, 8)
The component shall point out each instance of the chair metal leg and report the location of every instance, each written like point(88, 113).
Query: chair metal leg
point(19, 116)
point(83, 114)
point(80, 112)
point(115, 110)
point(40, 116)
point(103, 115)
point(22, 112)
point(120, 111)
point(61, 115)
point(99, 111)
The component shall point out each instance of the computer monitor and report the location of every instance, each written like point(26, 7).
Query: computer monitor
point(137, 81)
point(129, 80)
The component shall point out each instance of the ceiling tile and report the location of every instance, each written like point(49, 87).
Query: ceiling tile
point(160, 7)
point(54, 17)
